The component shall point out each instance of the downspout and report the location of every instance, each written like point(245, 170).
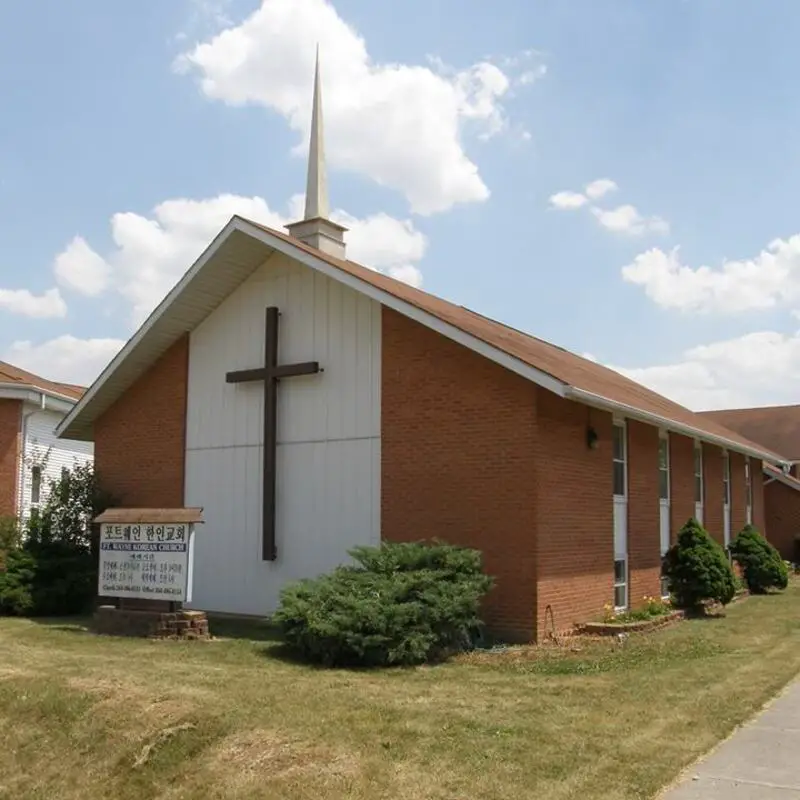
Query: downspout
point(23, 454)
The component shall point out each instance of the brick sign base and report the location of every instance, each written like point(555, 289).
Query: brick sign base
point(153, 624)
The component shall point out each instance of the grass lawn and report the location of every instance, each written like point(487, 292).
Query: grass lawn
point(94, 717)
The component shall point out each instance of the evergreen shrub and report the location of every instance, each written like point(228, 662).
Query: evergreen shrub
point(697, 569)
point(399, 604)
point(761, 564)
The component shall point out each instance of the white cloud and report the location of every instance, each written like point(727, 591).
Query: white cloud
point(627, 219)
point(602, 186)
point(385, 242)
point(760, 368)
point(399, 124)
point(41, 306)
point(152, 252)
point(66, 358)
point(568, 200)
point(624, 219)
point(769, 279)
point(79, 267)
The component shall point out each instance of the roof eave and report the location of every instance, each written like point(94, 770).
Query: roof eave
point(36, 394)
point(590, 398)
point(78, 425)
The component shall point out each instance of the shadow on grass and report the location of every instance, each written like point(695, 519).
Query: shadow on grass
point(71, 624)
point(255, 630)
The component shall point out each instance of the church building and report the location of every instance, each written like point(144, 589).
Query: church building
point(310, 404)
point(775, 427)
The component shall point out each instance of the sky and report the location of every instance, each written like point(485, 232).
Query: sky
point(615, 176)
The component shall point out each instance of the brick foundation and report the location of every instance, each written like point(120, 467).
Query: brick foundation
point(153, 624)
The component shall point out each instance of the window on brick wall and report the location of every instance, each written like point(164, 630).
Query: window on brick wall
point(663, 468)
point(621, 583)
point(748, 484)
point(698, 473)
point(726, 479)
point(36, 485)
point(619, 460)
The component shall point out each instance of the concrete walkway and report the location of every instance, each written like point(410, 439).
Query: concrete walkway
point(761, 760)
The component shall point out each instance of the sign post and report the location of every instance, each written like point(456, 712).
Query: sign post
point(145, 562)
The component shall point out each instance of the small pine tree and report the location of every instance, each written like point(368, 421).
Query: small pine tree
point(697, 569)
point(762, 565)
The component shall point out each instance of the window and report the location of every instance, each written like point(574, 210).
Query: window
point(36, 484)
point(748, 483)
point(621, 583)
point(619, 460)
point(726, 479)
point(663, 468)
point(698, 473)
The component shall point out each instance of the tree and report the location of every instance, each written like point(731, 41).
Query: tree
point(761, 564)
point(54, 569)
point(697, 569)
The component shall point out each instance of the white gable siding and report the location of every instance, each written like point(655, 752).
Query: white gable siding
point(39, 438)
point(328, 461)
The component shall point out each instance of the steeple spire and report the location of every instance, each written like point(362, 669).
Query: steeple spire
point(315, 229)
point(317, 183)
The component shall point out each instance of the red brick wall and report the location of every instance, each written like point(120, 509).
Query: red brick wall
point(712, 508)
point(738, 494)
point(575, 558)
point(782, 506)
point(459, 461)
point(10, 422)
point(681, 464)
point(644, 540)
point(139, 443)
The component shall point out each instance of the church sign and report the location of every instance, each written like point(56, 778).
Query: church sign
point(147, 554)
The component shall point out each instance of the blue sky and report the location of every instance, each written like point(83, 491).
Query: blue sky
point(686, 105)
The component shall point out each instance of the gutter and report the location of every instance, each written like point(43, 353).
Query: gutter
point(597, 400)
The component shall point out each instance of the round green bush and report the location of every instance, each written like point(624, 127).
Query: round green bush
point(761, 564)
point(399, 604)
point(697, 569)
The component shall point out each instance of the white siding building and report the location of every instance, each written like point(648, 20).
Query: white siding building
point(31, 456)
point(44, 457)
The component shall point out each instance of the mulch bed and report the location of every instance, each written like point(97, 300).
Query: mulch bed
point(648, 625)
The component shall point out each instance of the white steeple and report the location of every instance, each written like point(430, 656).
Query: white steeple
point(317, 183)
point(315, 228)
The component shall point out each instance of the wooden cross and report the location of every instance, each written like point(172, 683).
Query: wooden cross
point(270, 373)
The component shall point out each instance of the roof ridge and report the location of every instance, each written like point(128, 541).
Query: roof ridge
point(780, 407)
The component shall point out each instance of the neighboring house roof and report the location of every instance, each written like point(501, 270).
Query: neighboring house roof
point(776, 427)
point(242, 246)
point(779, 475)
point(16, 378)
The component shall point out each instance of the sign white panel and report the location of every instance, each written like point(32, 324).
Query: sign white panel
point(148, 561)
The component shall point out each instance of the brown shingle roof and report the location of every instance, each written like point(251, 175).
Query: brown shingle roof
point(235, 253)
point(776, 427)
point(561, 364)
point(11, 374)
